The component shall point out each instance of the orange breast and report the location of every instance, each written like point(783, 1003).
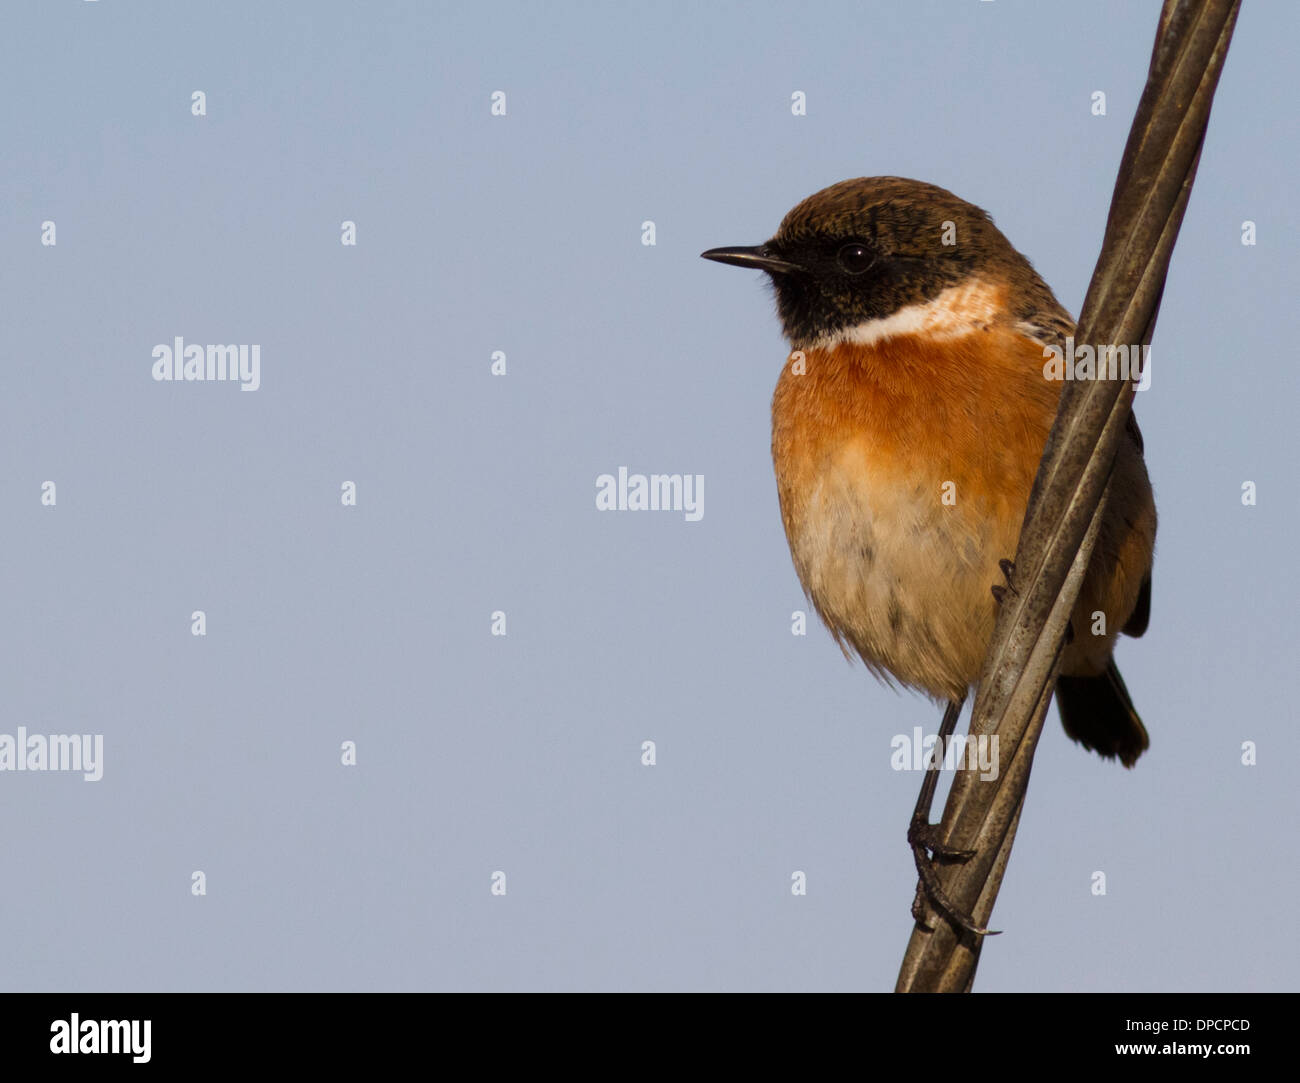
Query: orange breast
point(904, 468)
point(973, 410)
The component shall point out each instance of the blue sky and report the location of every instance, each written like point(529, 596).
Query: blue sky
point(480, 753)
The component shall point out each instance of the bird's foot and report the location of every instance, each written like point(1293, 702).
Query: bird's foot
point(1008, 570)
point(928, 852)
point(923, 837)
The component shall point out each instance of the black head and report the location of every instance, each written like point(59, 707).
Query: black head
point(862, 249)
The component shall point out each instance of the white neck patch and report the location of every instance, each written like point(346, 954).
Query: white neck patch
point(957, 311)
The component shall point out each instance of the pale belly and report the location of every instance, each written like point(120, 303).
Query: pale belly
point(900, 565)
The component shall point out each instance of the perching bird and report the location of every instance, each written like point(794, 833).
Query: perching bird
point(907, 427)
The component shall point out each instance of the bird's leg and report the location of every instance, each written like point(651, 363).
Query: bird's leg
point(922, 836)
point(921, 832)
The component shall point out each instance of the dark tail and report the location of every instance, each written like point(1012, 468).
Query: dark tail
point(1098, 713)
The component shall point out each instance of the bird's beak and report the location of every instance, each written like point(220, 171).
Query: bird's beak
point(759, 258)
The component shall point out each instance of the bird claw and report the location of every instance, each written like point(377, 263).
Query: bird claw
point(926, 836)
point(1000, 592)
point(1008, 571)
point(927, 850)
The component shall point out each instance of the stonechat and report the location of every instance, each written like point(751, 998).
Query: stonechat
point(907, 427)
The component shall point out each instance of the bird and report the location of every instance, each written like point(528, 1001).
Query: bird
point(908, 422)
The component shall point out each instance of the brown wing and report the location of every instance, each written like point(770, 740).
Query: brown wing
point(1137, 621)
point(1141, 615)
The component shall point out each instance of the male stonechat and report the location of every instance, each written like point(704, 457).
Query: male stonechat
point(907, 427)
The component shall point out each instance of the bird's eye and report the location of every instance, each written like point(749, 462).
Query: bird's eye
point(854, 258)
